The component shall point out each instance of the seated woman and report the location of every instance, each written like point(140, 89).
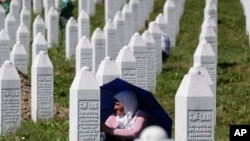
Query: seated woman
point(128, 121)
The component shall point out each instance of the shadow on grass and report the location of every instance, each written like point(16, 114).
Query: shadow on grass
point(225, 65)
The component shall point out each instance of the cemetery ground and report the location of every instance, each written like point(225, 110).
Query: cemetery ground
point(233, 72)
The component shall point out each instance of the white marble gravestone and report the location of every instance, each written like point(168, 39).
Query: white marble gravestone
point(18, 57)
point(151, 70)
point(169, 12)
point(162, 22)
point(48, 4)
point(155, 31)
point(205, 55)
point(83, 53)
point(98, 44)
point(5, 46)
point(91, 7)
point(209, 21)
point(52, 29)
point(111, 39)
point(84, 107)
point(27, 4)
point(71, 38)
point(25, 17)
point(139, 49)
point(42, 79)
point(83, 25)
point(2, 16)
point(134, 4)
point(120, 27)
point(126, 64)
point(37, 6)
point(11, 27)
point(194, 108)
point(107, 71)
point(10, 89)
point(82, 5)
point(211, 10)
point(38, 26)
point(39, 44)
point(128, 18)
point(204, 72)
point(23, 36)
point(15, 9)
point(210, 36)
point(110, 9)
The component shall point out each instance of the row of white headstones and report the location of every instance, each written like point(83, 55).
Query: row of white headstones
point(246, 8)
point(195, 99)
point(126, 66)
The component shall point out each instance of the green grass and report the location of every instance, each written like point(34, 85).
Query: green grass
point(233, 72)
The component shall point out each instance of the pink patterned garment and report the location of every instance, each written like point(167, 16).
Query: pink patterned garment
point(141, 121)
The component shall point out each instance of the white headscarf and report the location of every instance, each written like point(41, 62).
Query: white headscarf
point(129, 100)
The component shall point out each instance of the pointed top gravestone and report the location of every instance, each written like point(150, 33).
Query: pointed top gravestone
point(18, 57)
point(25, 17)
point(120, 27)
point(42, 88)
point(126, 64)
point(84, 52)
point(210, 36)
point(162, 22)
point(194, 108)
point(39, 44)
point(98, 43)
point(52, 27)
point(5, 46)
point(83, 25)
point(128, 17)
point(15, 9)
point(38, 26)
point(170, 14)
point(71, 38)
point(11, 26)
point(139, 49)
point(155, 31)
point(107, 71)
point(151, 60)
point(23, 36)
point(211, 9)
point(110, 33)
point(10, 87)
point(209, 21)
point(84, 104)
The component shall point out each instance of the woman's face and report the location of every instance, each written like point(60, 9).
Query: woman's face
point(119, 108)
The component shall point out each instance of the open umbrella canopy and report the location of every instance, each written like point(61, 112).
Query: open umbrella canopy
point(147, 102)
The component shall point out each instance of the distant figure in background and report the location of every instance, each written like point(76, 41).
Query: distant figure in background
point(65, 9)
point(128, 121)
point(165, 46)
point(6, 5)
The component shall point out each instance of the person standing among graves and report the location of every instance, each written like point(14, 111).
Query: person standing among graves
point(128, 121)
point(6, 5)
point(165, 46)
point(65, 9)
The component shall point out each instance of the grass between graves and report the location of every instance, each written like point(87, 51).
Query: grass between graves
point(233, 80)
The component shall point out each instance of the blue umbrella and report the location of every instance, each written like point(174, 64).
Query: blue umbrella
point(147, 102)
